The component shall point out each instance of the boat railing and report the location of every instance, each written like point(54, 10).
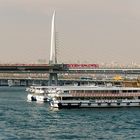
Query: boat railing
point(105, 94)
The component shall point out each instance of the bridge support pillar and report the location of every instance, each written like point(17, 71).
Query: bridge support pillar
point(53, 79)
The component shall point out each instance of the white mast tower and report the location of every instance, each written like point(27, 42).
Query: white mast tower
point(53, 58)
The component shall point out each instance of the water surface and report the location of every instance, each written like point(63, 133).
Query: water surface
point(23, 120)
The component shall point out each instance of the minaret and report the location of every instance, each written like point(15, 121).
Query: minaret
point(53, 59)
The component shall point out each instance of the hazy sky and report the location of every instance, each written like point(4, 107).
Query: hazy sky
point(88, 31)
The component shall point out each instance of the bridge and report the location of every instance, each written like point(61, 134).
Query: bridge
point(64, 68)
point(53, 68)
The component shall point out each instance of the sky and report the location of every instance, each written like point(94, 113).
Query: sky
point(88, 31)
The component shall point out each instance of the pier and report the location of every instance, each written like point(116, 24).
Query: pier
point(26, 78)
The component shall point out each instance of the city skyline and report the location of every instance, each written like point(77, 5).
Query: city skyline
point(92, 31)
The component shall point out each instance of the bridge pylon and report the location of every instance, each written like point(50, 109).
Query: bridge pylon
point(53, 58)
point(53, 77)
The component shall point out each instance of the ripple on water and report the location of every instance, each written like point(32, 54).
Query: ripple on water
point(20, 119)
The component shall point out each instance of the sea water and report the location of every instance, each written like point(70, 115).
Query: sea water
point(24, 120)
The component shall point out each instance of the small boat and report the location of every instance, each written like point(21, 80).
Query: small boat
point(94, 96)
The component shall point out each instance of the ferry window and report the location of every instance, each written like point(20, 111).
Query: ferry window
point(67, 98)
point(118, 103)
point(124, 91)
point(109, 104)
point(64, 98)
point(85, 98)
point(79, 91)
point(92, 98)
point(115, 91)
point(82, 98)
point(109, 91)
point(88, 91)
point(66, 91)
point(135, 91)
point(75, 98)
point(73, 91)
point(128, 103)
point(129, 90)
point(58, 98)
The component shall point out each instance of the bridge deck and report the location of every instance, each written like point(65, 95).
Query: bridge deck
point(62, 68)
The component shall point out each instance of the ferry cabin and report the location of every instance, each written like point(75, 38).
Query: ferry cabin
point(39, 93)
point(95, 97)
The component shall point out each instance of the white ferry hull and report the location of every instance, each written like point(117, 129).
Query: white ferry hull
point(93, 105)
point(30, 97)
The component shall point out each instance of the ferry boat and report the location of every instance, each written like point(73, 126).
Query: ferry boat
point(94, 96)
point(39, 93)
